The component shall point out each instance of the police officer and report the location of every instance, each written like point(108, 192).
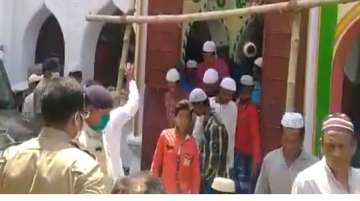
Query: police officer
point(51, 163)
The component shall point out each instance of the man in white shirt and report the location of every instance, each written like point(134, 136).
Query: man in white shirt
point(101, 134)
point(225, 108)
point(333, 174)
point(281, 166)
point(28, 105)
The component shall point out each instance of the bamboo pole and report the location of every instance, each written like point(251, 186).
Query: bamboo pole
point(293, 62)
point(204, 16)
point(125, 51)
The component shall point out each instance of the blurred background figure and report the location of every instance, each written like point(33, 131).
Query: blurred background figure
point(28, 106)
point(140, 183)
point(188, 78)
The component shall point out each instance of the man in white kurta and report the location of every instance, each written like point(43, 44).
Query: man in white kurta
point(333, 174)
point(281, 166)
point(225, 108)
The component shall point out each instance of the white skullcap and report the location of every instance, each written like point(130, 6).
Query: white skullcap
point(247, 52)
point(292, 120)
point(224, 185)
point(228, 83)
point(209, 46)
point(259, 62)
point(173, 75)
point(191, 64)
point(197, 95)
point(34, 78)
point(247, 80)
point(21, 86)
point(211, 76)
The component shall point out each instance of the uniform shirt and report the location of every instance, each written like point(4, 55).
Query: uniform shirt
point(220, 66)
point(247, 139)
point(94, 143)
point(276, 177)
point(49, 164)
point(228, 115)
point(176, 161)
point(113, 131)
point(319, 179)
point(215, 149)
point(28, 106)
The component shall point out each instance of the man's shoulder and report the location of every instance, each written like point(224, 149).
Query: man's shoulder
point(272, 155)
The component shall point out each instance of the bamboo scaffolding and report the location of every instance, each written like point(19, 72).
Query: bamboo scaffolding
point(124, 52)
point(204, 16)
point(293, 62)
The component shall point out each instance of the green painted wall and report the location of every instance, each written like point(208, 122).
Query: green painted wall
point(328, 20)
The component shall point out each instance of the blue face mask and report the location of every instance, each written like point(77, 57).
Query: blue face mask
point(104, 119)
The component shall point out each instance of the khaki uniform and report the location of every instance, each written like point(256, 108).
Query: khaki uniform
point(93, 142)
point(49, 164)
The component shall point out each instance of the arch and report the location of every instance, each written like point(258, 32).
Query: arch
point(344, 46)
point(29, 39)
point(89, 41)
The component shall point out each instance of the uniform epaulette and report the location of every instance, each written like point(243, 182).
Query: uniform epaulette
point(82, 149)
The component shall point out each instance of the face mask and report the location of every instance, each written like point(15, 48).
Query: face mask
point(55, 75)
point(104, 119)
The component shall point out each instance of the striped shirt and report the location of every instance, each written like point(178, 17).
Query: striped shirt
point(214, 149)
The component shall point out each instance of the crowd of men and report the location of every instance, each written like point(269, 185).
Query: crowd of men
point(211, 145)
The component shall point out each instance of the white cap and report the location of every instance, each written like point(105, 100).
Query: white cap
point(292, 120)
point(197, 95)
point(20, 86)
point(259, 62)
point(34, 78)
point(211, 76)
point(173, 75)
point(228, 83)
point(247, 52)
point(209, 46)
point(247, 80)
point(191, 64)
point(224, 185)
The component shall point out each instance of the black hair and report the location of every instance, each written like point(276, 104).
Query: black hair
point(50, 64)
point(61, 99)
point(89, 83)
point(183, 105)
point(76, 74)
point(140, 183)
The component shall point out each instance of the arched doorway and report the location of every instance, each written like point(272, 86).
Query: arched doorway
point(50, 42)
point(108, 52)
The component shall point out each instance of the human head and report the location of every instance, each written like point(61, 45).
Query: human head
point(140, 183)
point(247, 83)
point(77, 75)
point(293, 133)
point(183, 116)
point(98, 103)
point(227, 90)
point(62, 104)
point(173, 79)
point(51, 68)
point(209, 52)
point(211, 82)
point(338, 141)
point(190, 69)
point(249, 50)
point(200, 102)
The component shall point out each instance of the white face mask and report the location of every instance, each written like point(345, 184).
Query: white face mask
point(55, 75)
